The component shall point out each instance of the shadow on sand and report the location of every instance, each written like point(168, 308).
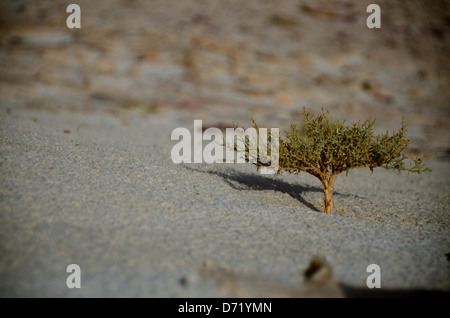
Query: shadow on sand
point(246, 181)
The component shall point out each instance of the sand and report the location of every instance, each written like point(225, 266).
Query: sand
point(87, 189)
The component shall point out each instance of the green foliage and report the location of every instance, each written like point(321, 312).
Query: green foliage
point(326, 148)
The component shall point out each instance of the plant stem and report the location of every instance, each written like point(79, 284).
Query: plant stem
point(328, 188)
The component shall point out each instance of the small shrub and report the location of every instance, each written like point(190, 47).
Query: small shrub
point(326, 148)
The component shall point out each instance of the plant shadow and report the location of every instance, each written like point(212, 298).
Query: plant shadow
point(246, 181)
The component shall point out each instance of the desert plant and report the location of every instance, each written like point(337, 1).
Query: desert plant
point(326, 148)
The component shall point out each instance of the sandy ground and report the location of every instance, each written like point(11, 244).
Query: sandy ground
point(86, 175)
point(85, 188)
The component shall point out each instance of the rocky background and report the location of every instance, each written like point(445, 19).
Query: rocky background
point(225, 61)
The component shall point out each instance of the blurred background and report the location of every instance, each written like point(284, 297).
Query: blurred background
point(226, 61)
